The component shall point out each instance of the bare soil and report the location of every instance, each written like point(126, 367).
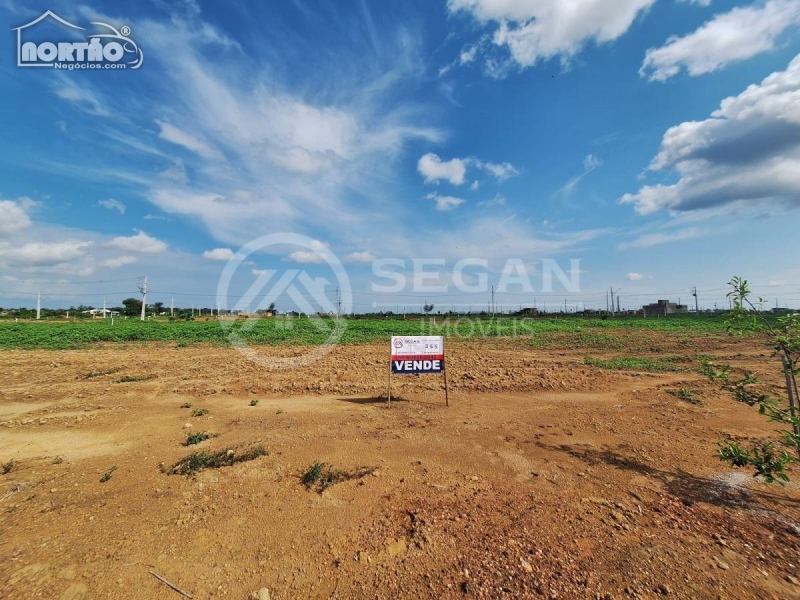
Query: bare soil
point(544, 478)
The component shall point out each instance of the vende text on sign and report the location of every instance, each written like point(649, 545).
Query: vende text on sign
point(417, 354)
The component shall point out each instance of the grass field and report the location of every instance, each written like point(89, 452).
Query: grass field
point(576, 331)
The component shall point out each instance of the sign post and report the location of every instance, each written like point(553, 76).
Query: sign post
point(415, 355)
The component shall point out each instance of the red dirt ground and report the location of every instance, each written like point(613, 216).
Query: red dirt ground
point(545, 478)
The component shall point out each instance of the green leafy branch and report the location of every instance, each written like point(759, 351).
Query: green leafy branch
point(767, 461)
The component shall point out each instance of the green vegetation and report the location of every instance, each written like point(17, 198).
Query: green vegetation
point(254, 402)
point(638, 363)
point(686, 395)
point(573, 330)
point(199, 412)
point(9, 466)
point(320, 476)
point(107, 475)
point(58, 460)
point(197, 461)
point(313, 475)
point(767, 458)
point(134, 378)
point(196, 437)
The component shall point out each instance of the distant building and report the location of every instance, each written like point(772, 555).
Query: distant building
point(662, 308)
point(101, 311)
point(527, 312)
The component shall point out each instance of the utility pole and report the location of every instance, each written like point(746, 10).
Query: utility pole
point(143, 290)
point(338, 303)
point(104, 307)
point(606, 301)
point(618, 309)
point(172, 307)
point(612, 302)
point(39, 306)
point(493, 305)
point(696, 305)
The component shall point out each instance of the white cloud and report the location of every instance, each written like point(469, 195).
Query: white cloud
point(475, 185)
point(119, 261)
point(360, 257)
point(729, 37)
point(747, 151)
point(500, 171)
point(656, 239)
point(634, 276)
point(316, 254)
point(112, 204)
point(219, 254)
point(590, 163)
point(498, 200)
point(306, 257)
point(290, 156)
point(83, 96)
point(43, 254)
point(14, 215)
point(445, 203)
point(535, 30)
point(259, 272)
point(318, 246)
point(175, 174)
point(434, 169)
point(191, 142)
point(141, 242)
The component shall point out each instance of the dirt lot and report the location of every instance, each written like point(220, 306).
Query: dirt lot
point(545, 478)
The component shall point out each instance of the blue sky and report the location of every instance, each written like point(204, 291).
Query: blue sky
point(657, 141)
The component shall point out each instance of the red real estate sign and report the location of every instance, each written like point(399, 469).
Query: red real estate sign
point(420, 354)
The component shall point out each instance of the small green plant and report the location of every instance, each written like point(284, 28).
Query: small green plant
point(686, 395)
point(196, 437)
point(313, 474)
point(134, 378)
point(320, 476)
point(637, 363)
point(58, 460)
point(9, 466)
point(279, 412)
point(186, 405)
point(197, 461)
point(254, 402)
point(107, 475)
point(199, 412)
